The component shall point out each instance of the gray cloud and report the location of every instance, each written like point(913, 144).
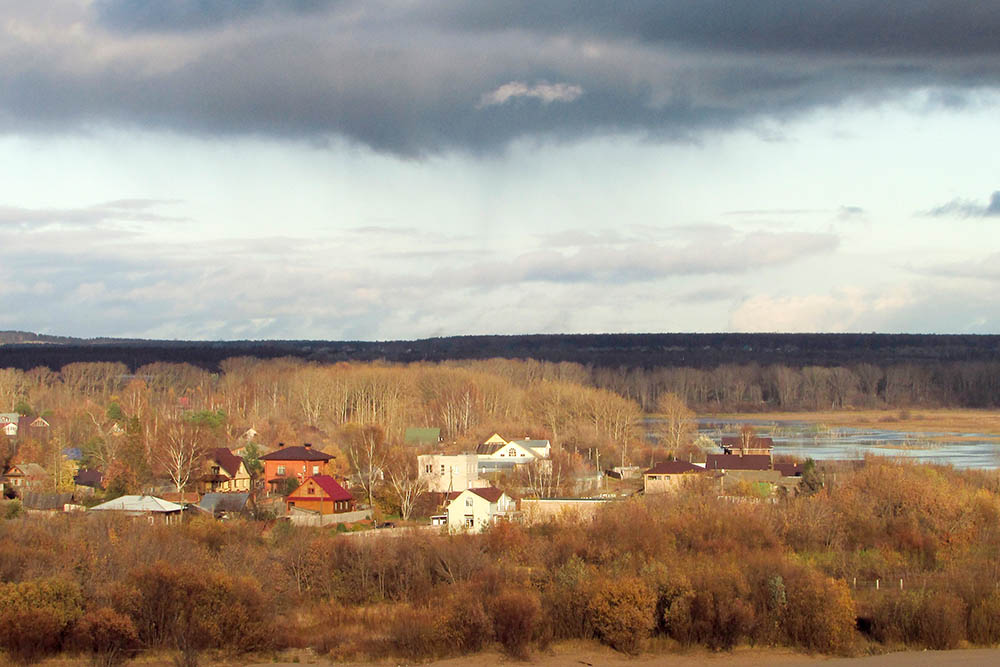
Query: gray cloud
point(966, 208)
point(421, 78)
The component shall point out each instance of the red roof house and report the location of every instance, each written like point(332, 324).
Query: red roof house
point(296, 462)
point(321, 493)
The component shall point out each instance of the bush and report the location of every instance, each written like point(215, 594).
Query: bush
point(35, 617)
point(820, 613)
point(470, 627)
point(13, 509)
point(620, 612)
point(984, 621)
point(514, 613)
point(109, 638)
point(932, 620)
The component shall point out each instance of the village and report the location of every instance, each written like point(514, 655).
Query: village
point(499, 480)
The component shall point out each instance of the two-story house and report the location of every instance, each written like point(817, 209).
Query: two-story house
point(295, 462)
point(226, 473)
point(473, 510)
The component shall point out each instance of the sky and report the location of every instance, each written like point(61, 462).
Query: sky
point(372, 170)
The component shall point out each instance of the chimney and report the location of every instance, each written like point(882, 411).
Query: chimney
point(307, 445)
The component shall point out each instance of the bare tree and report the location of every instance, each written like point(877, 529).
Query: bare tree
point(677, 425)
point(366, 451)
point(404, 479)
point(180, 451)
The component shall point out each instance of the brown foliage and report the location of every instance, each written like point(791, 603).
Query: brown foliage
point(514, 613)
point(106, 636)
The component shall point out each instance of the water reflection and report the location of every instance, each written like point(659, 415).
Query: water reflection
point(809, 440)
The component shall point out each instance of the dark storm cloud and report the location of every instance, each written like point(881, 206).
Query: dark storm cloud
point(809, 27)
point(965, 208)
point(181, 15)
point(421, 78)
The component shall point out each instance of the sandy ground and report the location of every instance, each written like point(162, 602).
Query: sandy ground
point(592, 655)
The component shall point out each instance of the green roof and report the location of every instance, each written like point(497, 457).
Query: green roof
point(422, 436)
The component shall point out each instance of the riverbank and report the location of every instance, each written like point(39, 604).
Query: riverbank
point(984, 424)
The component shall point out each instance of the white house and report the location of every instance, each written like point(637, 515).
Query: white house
point(473, 510)
point(521, 451)
point(445, 473)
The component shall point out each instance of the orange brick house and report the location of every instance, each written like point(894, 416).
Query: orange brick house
point(296, 462)
point(321, 493)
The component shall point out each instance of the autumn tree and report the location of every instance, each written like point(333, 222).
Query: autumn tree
point(404, 479)
point(677, 425)
point(366, 450)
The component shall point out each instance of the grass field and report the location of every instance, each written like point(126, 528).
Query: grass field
point(955, 421)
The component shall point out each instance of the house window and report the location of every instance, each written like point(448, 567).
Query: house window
point(281, 471)
point(428, 468)
point(442, 469)
point(470, 521)
point(315, 470)
point(468, 502)
point(511, 452)
point(311, 491)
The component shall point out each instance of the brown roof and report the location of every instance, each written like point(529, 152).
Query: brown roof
point(226, 460)
point(490, 493)
point(789, 469)
point(673, 468)
point(333, 490)
point(297, 454)
point(755, 442)
point(734, 462)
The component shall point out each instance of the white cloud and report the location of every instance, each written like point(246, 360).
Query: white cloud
point(546, 92)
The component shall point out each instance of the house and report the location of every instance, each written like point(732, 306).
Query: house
point(743, 445)
point(422, 436)
point(9, 429)
point(224, 505)
point(294, 462)
point(668, 476)
point(522, 451)
point(444, 473)
point(473, 510)
point(35, 428)
point(542, 510)
point(225, 473)
point(25, 476)
point(88, 481)
point(321, 494)
point(154, 509)
point(737, 462)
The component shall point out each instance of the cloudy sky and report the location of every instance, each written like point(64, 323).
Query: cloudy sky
point(380, 170)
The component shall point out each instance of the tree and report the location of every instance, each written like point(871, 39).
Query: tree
point(404, 479)
point(180, 450)
point(677, 425)
point(811, 481)
point(366, 451)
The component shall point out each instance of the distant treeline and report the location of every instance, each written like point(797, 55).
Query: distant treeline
point(704, 351)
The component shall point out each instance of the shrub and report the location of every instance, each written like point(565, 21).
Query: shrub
point(514, 613)
point(820, 613)
point(35, 617)
point(933, 620)
point(620, 611)
point(109, 638)
point(470, 627)
point(984, 621)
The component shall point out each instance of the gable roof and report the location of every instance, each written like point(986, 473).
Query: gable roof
point(490, 493)
point(298, 453)
point(28, 470)
point(734, 462)
point(790, 469)
point(331, 488)
point(226, 460)
point(673, 468)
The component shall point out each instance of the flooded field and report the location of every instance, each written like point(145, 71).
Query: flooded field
point(810, 440)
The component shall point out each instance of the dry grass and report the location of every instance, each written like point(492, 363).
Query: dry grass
point(986, 422)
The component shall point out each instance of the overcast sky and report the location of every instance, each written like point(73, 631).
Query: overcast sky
point(381, 170)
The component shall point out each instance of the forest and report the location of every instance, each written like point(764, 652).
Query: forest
point(647, 574)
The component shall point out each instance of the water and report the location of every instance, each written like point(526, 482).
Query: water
point(808, 440)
